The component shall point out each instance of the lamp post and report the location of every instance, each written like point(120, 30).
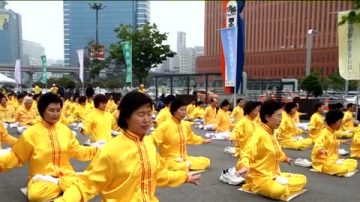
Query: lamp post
point(97, 7)
point(309, 42)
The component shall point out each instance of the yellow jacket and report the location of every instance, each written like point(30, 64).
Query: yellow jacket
point(198, 112)
point(326, 140)
point(5, 137)
point(98, 125)
point(110, 106)
point(237, 113)
point(242, 132)
point(316, 125)
point(163, 116)
point(287, 129)
point(48, 148)
point(26, 117)
point(210, 115)
point(80, 113)
point(355, 144)
point(222, 122)
point(262, 154)
point(37, 90)
point(129, 176)
point(190, 109)
point(172, 137)
point(90, 106)
point(348, 122)
point(7, 114)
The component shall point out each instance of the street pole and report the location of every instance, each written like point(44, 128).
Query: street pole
point(309, 43)
point(97, 27)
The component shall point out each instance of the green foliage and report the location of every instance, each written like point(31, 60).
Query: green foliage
point(312, 84)
point(353, 16)
point(147, 48)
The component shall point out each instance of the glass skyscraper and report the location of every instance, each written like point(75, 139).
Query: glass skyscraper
point(10, 36)
point(80, 22)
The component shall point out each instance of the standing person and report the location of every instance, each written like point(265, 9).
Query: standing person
point(260, 160)
point(288, 134)
point(54, 89)
point(172, 137)
point(48, 146)
point(316, 121)
point(37, 90)
point(325, 155)
point(134, 174)
point(98, 123)
point(238, 111)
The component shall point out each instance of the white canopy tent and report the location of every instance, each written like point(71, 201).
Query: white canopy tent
point(4, 79)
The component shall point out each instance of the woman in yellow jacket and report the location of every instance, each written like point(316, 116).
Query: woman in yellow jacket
point(26, 115)
point(325, 156)
point(80, 113)
point(7, 112)
point(164, 113)
point(222, 122)
point(172, 137)
point(198, 112)
point(48, 146)
point(347, 128)
point(288, 135)
point(5, 137)
point(133, 174)
point(245, 127)
point(238, 111)
point(316, 123)
point(355, 144)
point(260, 160)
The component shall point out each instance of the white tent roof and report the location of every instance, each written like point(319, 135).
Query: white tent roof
point(5, 79)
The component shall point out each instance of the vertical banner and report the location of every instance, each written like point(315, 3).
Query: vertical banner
point(127, 51)
point(229, 42)
point(43, 64)
point(349, 49)
point(17, 72)
point(80, 54)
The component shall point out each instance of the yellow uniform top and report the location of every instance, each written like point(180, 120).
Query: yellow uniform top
point(172, 137)
point(287, 129)
point(222, 122)
point(163, 115)
point(48, 148)
point(237, 113)
point(54, 89)
point(198, 112)
point(98, 125)
point(110, 106)
point(262, 154)
point(326, 140)
point(348, 121)
point(5, 137)
point(242, 132)
point(190, 109)
point(7, 113)
point(80, 113)
point(141, 172)
point(316, 125)
point(210, 115)
point(25, 117)
point(37, 90)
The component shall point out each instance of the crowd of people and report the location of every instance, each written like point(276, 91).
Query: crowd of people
point(133, 148)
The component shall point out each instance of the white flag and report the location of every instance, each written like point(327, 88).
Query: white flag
point(17, 72)
point(80, 53)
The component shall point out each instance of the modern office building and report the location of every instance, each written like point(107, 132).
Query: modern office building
point(10, 36)
point(32, 52)
point(275, 37)
point(80, 23)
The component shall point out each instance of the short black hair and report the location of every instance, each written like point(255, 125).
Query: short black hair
point(317, 106)
point(199, 103)
point(2, 96)
point(249, 107)
point(289, 106)
point(268, 108)
point(130, 103)
point(224, 103)
point(333, 116)
point(82, 99)
point(47, 99)
point(239, 100)
point(99, 98)
point(176, 104)
point(168, 99)
point(36, 96)
point(347, 106)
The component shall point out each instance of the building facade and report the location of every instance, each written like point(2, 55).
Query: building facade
point(275, 37)
point(10, 36)
point(80, 22)
point(32, 52)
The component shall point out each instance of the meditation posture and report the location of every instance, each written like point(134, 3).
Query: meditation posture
point(316, 121)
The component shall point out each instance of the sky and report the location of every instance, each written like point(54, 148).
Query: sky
point(42, 22)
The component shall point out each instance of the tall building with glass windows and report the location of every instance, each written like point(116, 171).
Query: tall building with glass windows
point(80, 23)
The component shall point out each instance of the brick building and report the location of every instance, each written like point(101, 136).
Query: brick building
point(275, 35)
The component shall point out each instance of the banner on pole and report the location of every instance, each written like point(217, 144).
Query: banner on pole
point(43, 64)
point(80, 54)
point(349, 49)
point(127, 51)
point(229, 42)
point(17, 72)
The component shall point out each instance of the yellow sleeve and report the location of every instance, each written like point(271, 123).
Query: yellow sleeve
point(158, 135)
point(234, 112)
point(88, 124)
point(5, 137)
point(250, 150)
point(238, 130)
point(91, 182)
point(166, 177)
point(80, 152)
point(218, 120)
point(319, 144)
point(192, 138)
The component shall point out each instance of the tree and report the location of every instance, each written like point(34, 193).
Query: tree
point(353, 16)
point(147, 48)
point(312, 85)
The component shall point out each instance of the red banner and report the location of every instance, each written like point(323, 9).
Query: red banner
point(97, 52)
